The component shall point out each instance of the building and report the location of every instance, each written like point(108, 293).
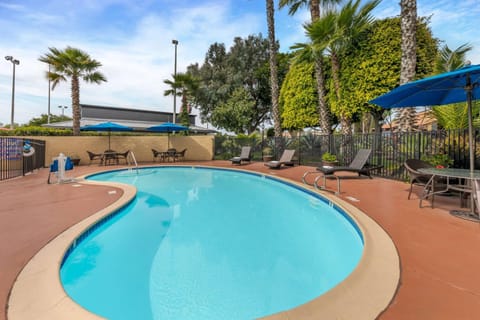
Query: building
point(137, 119)
point(424, 121)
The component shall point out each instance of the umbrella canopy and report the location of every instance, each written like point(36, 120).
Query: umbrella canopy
point(108, 127)
point(462, 85)
point(167, 127)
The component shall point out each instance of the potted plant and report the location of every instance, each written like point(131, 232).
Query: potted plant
point(439, 160)
point(329, 159)
point(267, 153)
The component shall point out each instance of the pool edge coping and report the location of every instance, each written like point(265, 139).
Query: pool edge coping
point(364, 294)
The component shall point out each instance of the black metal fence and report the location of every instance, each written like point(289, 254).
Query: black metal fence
point(16, 161)
point(389, 149)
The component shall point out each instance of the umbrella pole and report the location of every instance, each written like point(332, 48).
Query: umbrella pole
point(471, 140)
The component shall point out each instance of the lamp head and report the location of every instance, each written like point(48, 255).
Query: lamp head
point(175, 42)
point(17, 62)
point(8, 58)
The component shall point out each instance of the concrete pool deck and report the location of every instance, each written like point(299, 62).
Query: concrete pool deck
point(438, 253)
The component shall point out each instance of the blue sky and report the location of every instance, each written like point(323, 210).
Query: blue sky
point(133, 41)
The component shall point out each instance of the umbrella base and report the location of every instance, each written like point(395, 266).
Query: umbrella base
point(467, 215)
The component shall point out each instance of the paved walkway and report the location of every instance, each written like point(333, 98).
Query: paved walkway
point(440, 256)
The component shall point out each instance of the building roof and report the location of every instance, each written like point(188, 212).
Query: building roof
point(137, 119)
point(424, 120)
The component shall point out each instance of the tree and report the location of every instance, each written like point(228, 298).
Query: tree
point(453, 116)
point(408, 18)
point(43, 119)
point(315, 54)
point(185, 86)
point(298, 97)
point(246, 66)
point(272, 59)
point(73, 64)
point(337, 32)
point(372, 67)
point(449, 60)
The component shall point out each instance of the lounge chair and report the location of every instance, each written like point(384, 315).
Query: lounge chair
point(95, 156)
point(245, 156)
point(358, 165)
point(285, 159)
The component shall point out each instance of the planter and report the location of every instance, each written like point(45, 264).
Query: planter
point(267, 158)
point(329, 163)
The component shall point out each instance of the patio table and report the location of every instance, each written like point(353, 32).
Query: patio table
point(464, 175)
point(109, 157)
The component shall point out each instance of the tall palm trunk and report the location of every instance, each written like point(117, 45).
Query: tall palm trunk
point(273, 71)
point(323, 110)
point(76, 105)
point(409, 57)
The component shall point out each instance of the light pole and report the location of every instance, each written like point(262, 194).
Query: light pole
point(175, 43)
point(48, 117)
point(14, 63)
point(63, 109)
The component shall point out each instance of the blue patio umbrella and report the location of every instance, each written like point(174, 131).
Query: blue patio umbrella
point(168, 128)
point(461, 85)
point(106, 127)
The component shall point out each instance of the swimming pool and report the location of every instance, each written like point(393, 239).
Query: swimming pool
point(202, 243)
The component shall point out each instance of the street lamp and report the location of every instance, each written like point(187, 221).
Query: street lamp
point(175, 43)
point(14, 63)
point(48, 116)
point(63, 109)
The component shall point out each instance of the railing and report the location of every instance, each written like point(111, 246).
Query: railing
point(388, 149)
point(15, 161)
point(131, 160)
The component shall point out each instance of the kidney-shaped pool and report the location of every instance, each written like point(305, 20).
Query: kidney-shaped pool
point(204, 243)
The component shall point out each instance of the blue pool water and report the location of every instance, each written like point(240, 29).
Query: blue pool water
point(200, 243)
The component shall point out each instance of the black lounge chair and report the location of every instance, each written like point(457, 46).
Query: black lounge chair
point(286, 159)
point(245, 156)
point(358, 165)
point(95, 156)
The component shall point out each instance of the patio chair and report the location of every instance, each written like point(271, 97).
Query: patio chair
point(358, 165)
point(95, 156)
point(418, 178)
point(415, 177)
point(245, 156)
point(180, 155)
point(285, 159)
point(158, 154)
point(122, 155)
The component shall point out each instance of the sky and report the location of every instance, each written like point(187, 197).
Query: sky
point(133, 41)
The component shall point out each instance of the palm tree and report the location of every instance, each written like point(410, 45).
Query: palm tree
point(449, 60)
point(73, 64)
point(315, 7)
point(408, 18)
point(453, 116)
point(186, 86)
point(336, 32)
point(277, 126)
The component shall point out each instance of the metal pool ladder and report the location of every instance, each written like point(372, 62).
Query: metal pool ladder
point(132, 161)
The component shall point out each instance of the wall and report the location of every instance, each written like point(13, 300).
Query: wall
point(199, 148)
